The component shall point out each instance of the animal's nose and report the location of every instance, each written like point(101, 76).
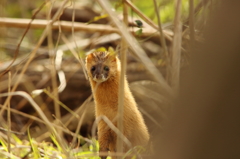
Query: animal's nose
point(97, 72)
point(98, 75)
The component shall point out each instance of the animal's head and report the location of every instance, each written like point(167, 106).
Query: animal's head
point(101, 65)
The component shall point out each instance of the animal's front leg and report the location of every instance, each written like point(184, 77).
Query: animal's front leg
point(104, 141)
point(112, 144)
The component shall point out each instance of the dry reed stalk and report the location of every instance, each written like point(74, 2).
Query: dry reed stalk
point(137, 50)
point(176, 50)
point(53, 72)
point(124, 48)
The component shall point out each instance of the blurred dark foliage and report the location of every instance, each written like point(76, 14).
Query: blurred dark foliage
point(206, 120)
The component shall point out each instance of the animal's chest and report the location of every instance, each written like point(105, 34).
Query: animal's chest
point(106, 109)
point(106, 101)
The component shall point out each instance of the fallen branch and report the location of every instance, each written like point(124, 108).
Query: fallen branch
point(67, 26)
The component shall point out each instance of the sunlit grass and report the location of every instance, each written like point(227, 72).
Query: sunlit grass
point(32, 149)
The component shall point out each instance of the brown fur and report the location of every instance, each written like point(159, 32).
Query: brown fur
point(106, 103)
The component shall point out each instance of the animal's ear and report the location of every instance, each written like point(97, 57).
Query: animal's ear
point(89, 57)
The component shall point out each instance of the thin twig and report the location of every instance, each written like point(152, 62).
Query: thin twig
point(13, 132)
point(81, 108)
point(111, 126)
point(176, 51)
point(75, 54)
point(80, 59)
point(23, 114)
point(162, 39)
point(74, 114)
point(191, 20)
point(197, 9)
point(78, 128)
point(9, 113)
point(146, 19)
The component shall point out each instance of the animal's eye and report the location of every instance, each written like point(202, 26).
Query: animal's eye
point(106, 68)
point(93, 68)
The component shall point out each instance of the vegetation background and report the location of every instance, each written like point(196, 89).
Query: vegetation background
point(47, 110)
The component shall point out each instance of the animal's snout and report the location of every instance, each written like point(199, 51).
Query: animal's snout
point(98, 73)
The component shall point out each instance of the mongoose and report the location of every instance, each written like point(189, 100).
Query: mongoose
point(104, 69)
